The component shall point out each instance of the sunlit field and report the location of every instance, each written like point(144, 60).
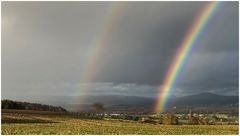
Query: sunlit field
point(68, 124)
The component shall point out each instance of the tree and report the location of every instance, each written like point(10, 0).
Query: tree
point(8, 104)
point(98, 107)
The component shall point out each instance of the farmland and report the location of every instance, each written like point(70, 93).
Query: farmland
point(18, 123)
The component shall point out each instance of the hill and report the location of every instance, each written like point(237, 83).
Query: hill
point(206, 99)
point(203, 101)
point(9, 104)
point(118, 103)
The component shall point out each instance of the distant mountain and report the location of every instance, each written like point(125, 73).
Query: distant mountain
point(9, 104)
point(110, 100)
point(123, 103)
point(136, 103)
point(206, 99)
point(197, 99)
point(113, 102)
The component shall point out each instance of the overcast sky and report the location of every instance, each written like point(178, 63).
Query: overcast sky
point(45, 44)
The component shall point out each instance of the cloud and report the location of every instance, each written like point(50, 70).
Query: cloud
point(72, 90)
point(45, 47)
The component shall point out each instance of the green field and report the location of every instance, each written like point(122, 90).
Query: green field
point(67, 124)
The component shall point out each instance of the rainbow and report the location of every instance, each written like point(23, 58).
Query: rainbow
point(179, 60)
point(99, 43)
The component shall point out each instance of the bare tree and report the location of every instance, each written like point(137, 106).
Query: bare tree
point(169, 119)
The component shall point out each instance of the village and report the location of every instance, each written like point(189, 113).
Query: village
point(169, 118)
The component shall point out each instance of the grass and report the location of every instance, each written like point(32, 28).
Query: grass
point(65, 124)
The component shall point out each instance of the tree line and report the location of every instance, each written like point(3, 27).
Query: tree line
point(9, 104)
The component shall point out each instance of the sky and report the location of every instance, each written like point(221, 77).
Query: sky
point(47, 45)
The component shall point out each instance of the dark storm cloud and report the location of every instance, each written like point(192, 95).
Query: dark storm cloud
point(45, 45)
point(147, 61)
